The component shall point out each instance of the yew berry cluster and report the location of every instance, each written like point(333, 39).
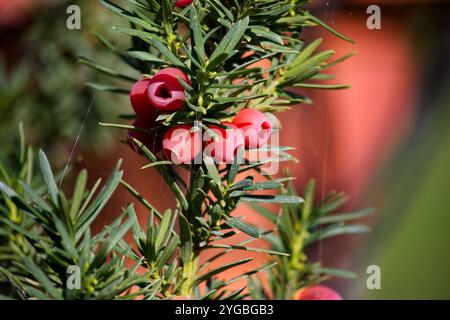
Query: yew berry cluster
point(152, 96)
point(181, 144)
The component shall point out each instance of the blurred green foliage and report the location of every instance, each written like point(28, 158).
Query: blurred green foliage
point(43, 85)
point(299, 227)
point(411, 238)
point(411, 243)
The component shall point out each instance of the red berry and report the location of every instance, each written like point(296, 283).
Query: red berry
point(255, 127)
point(228, 142)
point(165, 92)
point(318, 292)
point(181, 145)
point(139, 99)
point(183, 3)
point(174, 72)
point(151, 139)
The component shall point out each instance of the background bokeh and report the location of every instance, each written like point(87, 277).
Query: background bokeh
point(385, 141)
